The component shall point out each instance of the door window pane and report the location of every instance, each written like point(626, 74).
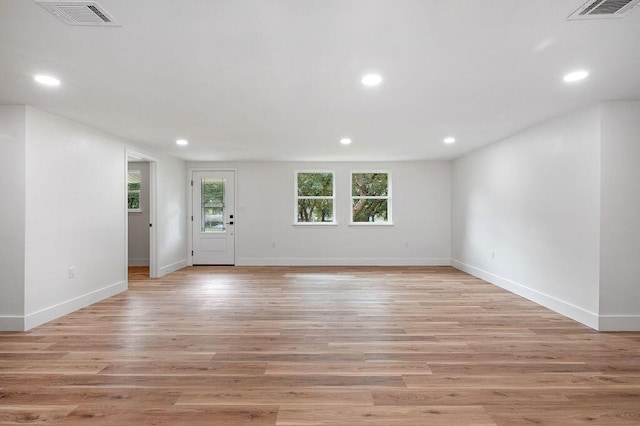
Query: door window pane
point(212, 209)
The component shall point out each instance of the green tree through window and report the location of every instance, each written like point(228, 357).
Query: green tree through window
point(370, 198)
point(133, 190)
point(315, 197)
point(212, 210)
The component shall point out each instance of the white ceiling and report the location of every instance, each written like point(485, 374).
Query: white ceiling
point(280, 79)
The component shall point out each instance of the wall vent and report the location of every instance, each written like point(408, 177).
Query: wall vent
point(80, 12)
point(600, 9)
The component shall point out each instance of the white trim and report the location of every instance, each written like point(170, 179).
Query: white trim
point(174, 267)
point(388, 197)
point(11, 323)
point(619, 323)
point(296, 197)
point(567, 309)
point(153, 216)
point(126, 216)
point(45, 315)
point(337, 261)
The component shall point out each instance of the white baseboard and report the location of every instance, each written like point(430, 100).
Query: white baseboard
point(341, 262)
point(574, 312)
point(173, 267)
point(619, 323)
point(11, 323)
point(42, 316)
point(139, 262)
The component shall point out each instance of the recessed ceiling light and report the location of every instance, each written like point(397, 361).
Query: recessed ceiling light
point(46, 80)
point(345, 141)
point(576, 76)
point(371, 80)
point(182, 142)
point(449, 140)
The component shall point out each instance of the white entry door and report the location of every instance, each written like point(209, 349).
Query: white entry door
point(213, 219)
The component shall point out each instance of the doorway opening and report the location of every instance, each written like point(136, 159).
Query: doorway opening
point(140, 253)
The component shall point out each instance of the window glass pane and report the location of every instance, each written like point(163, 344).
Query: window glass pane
point(133, 179)
point(315, 184)
point(369, 184)
point(212, 210)
point(315, 210)
point(133, 200)
point(370, 210)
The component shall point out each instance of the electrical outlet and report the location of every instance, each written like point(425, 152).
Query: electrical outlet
point(72, 272)
point(406, 244)
point(273, 245)
point(493, 255)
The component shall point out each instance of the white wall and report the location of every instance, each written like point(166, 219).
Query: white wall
point(170, 226)
point(620, 211)
point(66, 183)
point(75, 216)
point(139, 221)
point(265, 215)
point(534, 201)
point(12, 173)
point(171, 213)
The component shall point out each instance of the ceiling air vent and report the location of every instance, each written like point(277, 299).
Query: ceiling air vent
point(80, 12)
point(600, 9)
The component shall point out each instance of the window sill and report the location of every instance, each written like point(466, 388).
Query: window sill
point(134, 210)
point(316, 224)
point(356, 224)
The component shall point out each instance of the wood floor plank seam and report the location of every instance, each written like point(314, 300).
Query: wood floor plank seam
point(342, 346)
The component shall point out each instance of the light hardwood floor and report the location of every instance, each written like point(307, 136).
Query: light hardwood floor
point(318, 346)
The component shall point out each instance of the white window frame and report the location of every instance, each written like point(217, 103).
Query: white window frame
point(296, 197)
point(138, 210)
point(389, 221)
